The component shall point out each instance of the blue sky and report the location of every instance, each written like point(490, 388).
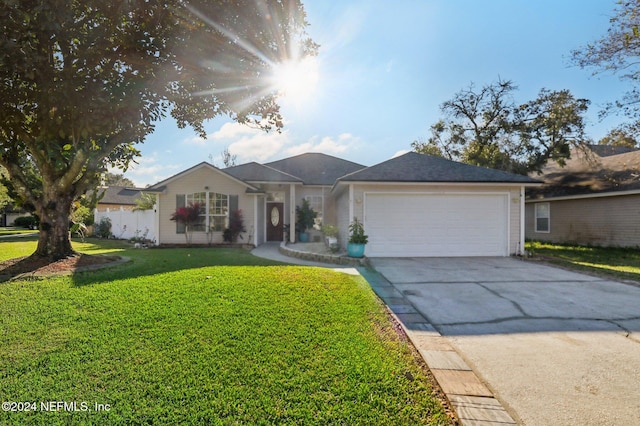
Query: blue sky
point(384, 67)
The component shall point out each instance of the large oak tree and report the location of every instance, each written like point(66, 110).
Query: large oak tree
point(486, 127)
point(617, 52)
point(83, 81)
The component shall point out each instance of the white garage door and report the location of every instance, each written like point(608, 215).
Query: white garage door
point(429, 225)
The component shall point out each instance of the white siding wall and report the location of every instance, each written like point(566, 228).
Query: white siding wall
point(195, 182)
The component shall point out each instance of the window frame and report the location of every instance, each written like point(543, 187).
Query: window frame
point(537, 216)
point(320, 217)
point(214, 208)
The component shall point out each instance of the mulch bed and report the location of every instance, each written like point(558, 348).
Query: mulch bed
point(43, 266)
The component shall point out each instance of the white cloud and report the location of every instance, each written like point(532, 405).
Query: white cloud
point(195, 140)
point(148, 171)
point(326, 145)
point(399, 153)
point(252, 144)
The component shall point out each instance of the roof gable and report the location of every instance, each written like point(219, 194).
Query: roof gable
point(162, 184)
point(315, 168)
point(418, 168)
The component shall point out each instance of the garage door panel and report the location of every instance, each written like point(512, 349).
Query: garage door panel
point(436, 224)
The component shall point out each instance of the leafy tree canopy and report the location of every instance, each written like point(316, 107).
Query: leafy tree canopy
point(486, 127)
point(617, 52)
point(623, 135)
point(116, 179)
point(5, 199)
point(83, 81)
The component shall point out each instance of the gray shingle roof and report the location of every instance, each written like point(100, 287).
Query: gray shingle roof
point(588, 174)
point(254, 172)
point(119, 195)
point(316, 168)
point(414, 167)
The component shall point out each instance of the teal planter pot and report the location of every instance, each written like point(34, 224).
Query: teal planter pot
point(303, 237)
point(355, 250)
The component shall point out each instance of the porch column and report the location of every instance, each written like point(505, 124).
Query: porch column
point(292, 213)
point(350, 204)
point(522, 222)
point(255, 220)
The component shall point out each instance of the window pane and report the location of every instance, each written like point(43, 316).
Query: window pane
point(542, 210)
point(218, 223)
point(542, 224)
point(315, 202)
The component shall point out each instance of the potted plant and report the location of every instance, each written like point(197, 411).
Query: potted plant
point(330, 233)
point(305, 219)
point(357, 239)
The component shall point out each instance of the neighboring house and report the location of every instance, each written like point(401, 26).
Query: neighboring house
point(411, 205)
point(117, 204)
point(594, 199)
point(118, 198)
point(10, 213)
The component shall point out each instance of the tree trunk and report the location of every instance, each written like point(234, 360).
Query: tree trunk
point(54, 241)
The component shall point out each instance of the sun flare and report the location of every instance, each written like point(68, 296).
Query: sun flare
point(296, 80)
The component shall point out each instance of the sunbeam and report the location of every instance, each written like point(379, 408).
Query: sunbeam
point(289, 73)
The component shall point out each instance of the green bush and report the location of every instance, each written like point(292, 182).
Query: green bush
point(103, 228)
point(29, 222)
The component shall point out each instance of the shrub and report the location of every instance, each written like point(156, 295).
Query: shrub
point(236, 226)
point(29, 222)
point(305, 216)
point(103, 228)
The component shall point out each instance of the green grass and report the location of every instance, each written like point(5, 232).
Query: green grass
point(13, 231)
point(618, 263)
point(205, 336)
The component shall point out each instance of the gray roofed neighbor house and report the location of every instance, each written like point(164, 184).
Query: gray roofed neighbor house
point(254, 172)
point(586, 174)
point(119, 195)
point(414, 167)
point(316, 168)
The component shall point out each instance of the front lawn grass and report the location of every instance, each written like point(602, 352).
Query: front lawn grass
point(178, 336)
point(618, 263)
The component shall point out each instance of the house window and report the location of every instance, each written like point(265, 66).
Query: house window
point(201, 199)
point(218, 211)
point(543, 217)
point(316, 202)
point(214, 209)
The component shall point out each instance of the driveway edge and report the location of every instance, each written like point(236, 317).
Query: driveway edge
point(473, 402)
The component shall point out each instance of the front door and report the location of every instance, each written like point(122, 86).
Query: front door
point(275, 218)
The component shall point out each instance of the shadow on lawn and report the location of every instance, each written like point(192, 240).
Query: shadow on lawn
point(153, 261)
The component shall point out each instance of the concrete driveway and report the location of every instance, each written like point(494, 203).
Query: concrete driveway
point(555, 347)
